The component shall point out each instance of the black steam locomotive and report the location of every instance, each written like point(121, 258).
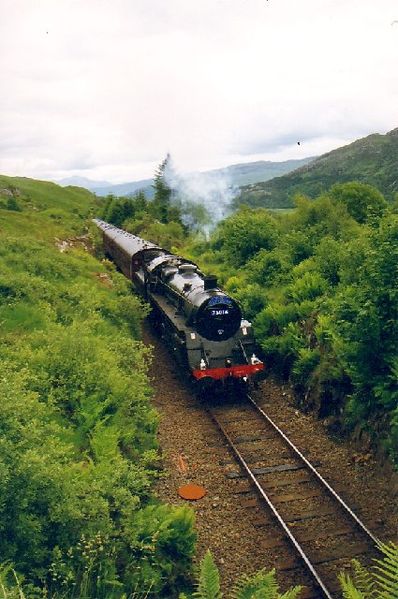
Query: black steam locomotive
point(203, 326)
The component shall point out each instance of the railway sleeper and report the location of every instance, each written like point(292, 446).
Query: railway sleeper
point(309, 514)
point(288, 497)
point(342, 552)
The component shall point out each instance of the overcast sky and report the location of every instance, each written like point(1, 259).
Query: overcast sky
point(105, 88)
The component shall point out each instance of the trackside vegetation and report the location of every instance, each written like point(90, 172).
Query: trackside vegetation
point(78, 451)
point(320, 285)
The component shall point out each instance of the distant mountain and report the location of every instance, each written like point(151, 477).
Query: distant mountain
point(82, 182)
point(372, 159)
point(125, 189)
point(262, 170)
point(237, 174)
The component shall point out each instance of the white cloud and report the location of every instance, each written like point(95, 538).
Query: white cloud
point(105, 89)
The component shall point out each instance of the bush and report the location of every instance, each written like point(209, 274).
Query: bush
point(267, 267)
point(303, 368)
point(161, 546)
point(252, 299)
point(321, 285)
point(244, 233)
point(363, 202)
point(310, 286)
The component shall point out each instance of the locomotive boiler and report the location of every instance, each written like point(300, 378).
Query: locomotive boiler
point(202, 325)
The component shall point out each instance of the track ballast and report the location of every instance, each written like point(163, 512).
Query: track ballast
point(323, 533)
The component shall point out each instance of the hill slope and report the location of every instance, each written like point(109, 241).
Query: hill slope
point(372, 159)
point(236, 174)
point(260, 171)
point(78, 435)
point(42, 209)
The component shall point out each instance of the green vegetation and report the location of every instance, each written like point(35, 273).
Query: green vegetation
point(78, 451)
point(381, 582)
point(320, 284)
point(371, 160)
point(261, 585)
point(159, 220)
point(78, 435)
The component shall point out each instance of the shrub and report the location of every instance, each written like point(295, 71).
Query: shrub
point(310, 286)
point(267, 267)
point(252, 299)
point(304, 366)
point(363, 202)
point(244, 233)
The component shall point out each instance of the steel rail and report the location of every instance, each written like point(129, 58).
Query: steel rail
point(283, 524)
point(315, 471)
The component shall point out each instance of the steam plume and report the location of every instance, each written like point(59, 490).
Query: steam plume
point(213, 191)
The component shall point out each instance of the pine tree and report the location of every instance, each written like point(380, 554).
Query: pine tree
point(162, 197)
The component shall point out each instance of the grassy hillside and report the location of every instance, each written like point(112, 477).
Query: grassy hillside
point(78, 449)
point(42, 210)
point(41, 195)
point(372, 160)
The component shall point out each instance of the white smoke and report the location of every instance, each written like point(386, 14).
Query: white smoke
point(213, 191)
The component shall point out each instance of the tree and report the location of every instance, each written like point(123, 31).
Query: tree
point(365, 328)
point(166, 235)
point(117, 210)
point(140, 202)
point(161, 203)
point(361, 200)
point(317, 218)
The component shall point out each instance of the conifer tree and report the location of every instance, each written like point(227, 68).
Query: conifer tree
point(162, 197)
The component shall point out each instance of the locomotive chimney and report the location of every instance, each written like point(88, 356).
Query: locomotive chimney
point(210, 282)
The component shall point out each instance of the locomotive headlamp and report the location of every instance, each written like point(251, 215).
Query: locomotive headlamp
point(255, 360)
point(245, 326)
point(228, 363)
point(202, 364)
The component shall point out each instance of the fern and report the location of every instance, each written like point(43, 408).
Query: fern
point(364, 581)
point(380, 583)
point(261, 585)
point(386, 571)
point(209, 579)
point(349, 589)
point(247, 587)
point(10, 586)
point(291, 593)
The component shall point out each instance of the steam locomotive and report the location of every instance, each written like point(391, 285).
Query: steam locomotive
point(200, 323)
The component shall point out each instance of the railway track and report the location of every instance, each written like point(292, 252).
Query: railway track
point(314, 530)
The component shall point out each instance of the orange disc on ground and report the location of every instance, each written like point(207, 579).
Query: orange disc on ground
point(191, 492)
